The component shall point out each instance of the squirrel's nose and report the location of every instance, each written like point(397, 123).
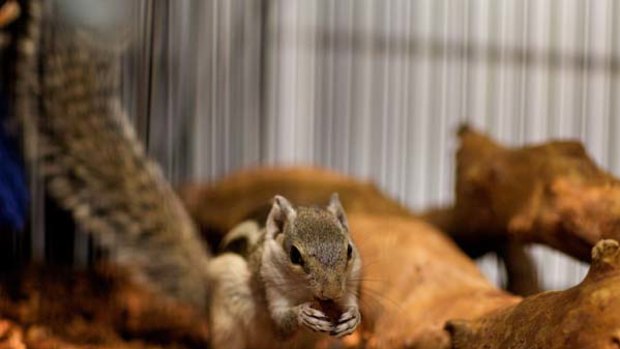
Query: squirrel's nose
point(321, 298)
point(329, 295)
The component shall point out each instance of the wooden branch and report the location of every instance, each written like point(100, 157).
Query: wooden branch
point(552, 194)
point(427, 281)
point(522, 277)
point(583, 317)
point(415, 279)
point(247, 194)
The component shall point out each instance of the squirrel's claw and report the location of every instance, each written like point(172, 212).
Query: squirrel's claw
point(347, 323)
point(314, 319)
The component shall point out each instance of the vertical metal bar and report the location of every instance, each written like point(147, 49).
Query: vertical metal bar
point(214, 88)
point(384, 95)
point(492, 90)
point(445, 107)
point(313, 62)
point(363, 89)
point(329, 29)
point(613, 116)
point(228, 30)
point(405, 111)
point(465, 53)
point(523, 75)
point(349, 70)
point(423, 110)
point(320, 88)
point(264, 94)
point(583, 83)
point(274, 86)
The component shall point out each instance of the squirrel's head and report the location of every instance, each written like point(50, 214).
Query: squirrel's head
point(315, 246)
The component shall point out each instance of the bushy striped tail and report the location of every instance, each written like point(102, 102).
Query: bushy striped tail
point(93, 164)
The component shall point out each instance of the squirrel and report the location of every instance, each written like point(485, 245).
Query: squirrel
point(303, 259)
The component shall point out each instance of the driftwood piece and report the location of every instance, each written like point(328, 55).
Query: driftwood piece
point(521, 273)
point(415, 278)
point(416, 281)
point(247, 195)
point(219, 207)
point(425, 281)
point(551, 193)
point(585, 316)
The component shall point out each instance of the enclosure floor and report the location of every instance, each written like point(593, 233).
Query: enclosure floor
point(45, 307)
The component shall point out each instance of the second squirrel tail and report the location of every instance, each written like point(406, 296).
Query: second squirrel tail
point(67, 98)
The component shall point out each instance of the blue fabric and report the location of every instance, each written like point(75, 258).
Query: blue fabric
point(13, 188)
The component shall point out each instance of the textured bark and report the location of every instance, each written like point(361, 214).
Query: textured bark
point(247, 194)
point(551, 193)
point(521, 275)
point(415, 278)
point(584, 317)
point(416, 281)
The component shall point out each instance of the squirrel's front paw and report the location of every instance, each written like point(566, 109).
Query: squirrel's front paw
point(314, 319)
point(348, 322)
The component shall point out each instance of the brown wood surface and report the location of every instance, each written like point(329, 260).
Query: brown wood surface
point(552, 193)
point(419, 290)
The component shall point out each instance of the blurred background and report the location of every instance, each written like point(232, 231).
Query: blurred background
point(372, 88)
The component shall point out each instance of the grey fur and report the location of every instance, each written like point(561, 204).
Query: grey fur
point(82, 142)
point(305, 231)
point(280, 295)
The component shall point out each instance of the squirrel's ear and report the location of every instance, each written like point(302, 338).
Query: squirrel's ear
point(281, 212)
point(335, 207)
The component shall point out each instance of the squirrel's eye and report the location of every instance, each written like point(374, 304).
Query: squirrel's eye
point(349, 251)
point(295, 256)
